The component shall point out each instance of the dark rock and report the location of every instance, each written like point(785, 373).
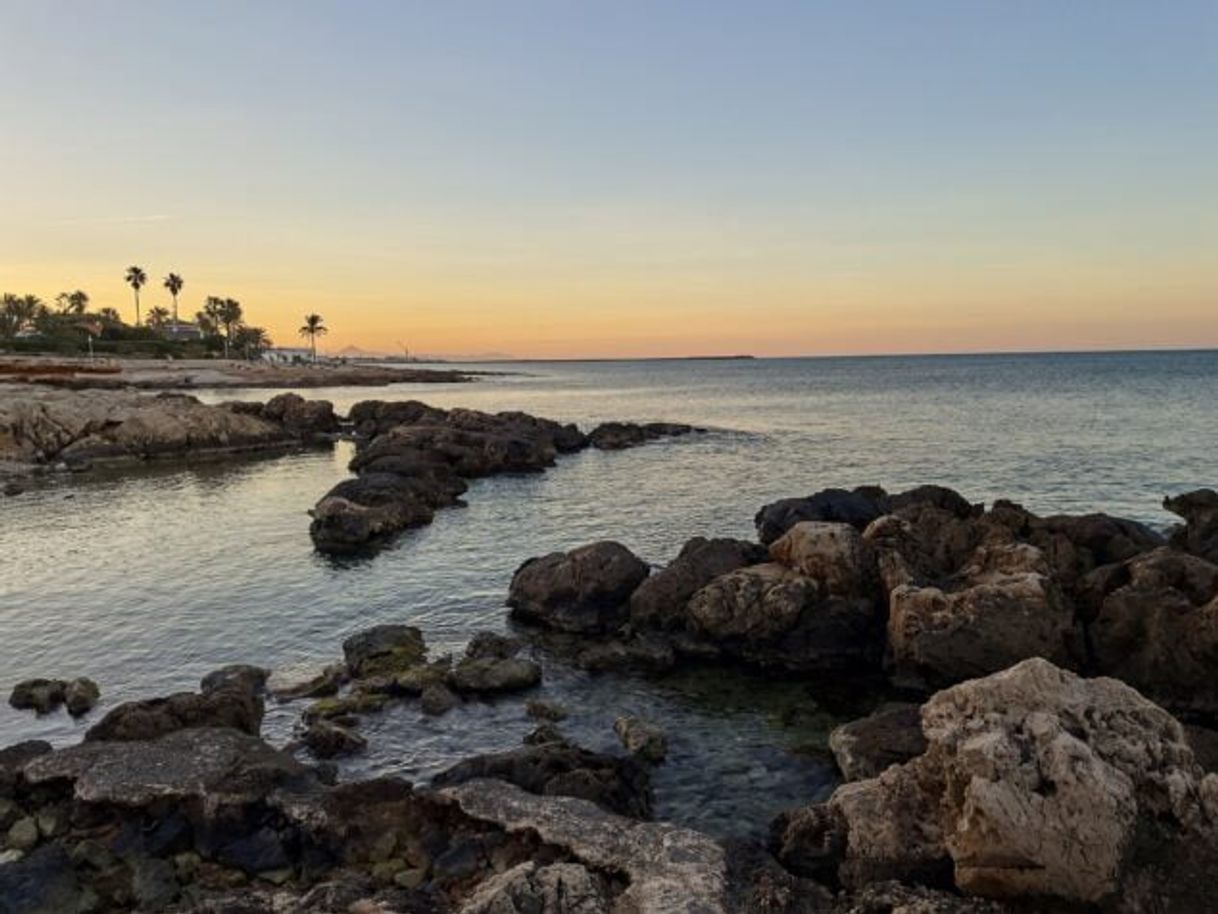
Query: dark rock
point(616, 436)
point(890, 736)
point(143, 720)
point(254, 853)
point(384, 650)
point(659, 601)
point(14, 758)
point(858, 507)
point(285, 687)
point(649, 654)
point(561, 769)
point(438, 699)
point(1199, 535)
point(154, 884)
point(1204, 743)
point(326, 739)
point(559, 888)
point(545, 710)
point(220, 764)
point(1156, 632)
point(237, 675)
point(641, 739)
point(81, 695)
point(542, 734)
point(585, 590)
point(837, 505)
point(489, 645)
point(492, 675)
point(43, 882)
point(40, 695)
point(301, 417)
point(770, 615)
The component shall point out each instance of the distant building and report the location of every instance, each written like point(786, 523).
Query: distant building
point(287, 355)
point(181, 330)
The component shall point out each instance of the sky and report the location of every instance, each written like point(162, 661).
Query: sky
point(620, 178)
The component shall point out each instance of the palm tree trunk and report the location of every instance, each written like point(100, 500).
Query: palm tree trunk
point(313, 346)
point(175, 312)
point(137, 307)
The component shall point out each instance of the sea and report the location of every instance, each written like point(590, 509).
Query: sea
point(145, 580)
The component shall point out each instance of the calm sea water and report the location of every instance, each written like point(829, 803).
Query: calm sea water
point(145, 581)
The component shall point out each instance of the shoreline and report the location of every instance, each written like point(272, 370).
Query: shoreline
point(211, 374)
point(1009, 747)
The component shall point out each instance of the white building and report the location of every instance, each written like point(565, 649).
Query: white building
point(287, 355)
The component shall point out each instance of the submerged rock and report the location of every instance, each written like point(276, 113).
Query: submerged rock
point(438, 699)
point(642, 739)
point(326, 739)
point(545, 710)
point(585, 590)
point(616, 436)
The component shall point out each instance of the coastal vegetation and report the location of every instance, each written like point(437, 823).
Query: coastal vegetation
point(70, 326)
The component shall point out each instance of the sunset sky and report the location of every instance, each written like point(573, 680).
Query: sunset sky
point(626, 178)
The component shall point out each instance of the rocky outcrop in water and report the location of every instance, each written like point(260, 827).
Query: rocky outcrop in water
point(45, 695)
point(415, 459)
point(42, 427)
point(922, 588)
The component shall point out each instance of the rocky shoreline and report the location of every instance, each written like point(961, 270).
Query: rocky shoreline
point(1040, 767)
point(188, 374)
point(412, 458)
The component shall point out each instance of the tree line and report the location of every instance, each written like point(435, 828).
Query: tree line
point(69, 322)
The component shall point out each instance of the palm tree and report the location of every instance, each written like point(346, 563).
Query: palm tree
point(252, 341)
point(313, 328)
point(136, 277)
point(17, 312)
point(109, 316)
point(230, 318)
point(157, 317)
point(174, 283)
point(72, 302)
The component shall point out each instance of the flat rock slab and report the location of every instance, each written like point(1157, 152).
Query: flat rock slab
point(219, 765)
point(671, 870)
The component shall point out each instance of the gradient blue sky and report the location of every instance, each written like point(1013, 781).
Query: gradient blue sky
point(605, 178)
